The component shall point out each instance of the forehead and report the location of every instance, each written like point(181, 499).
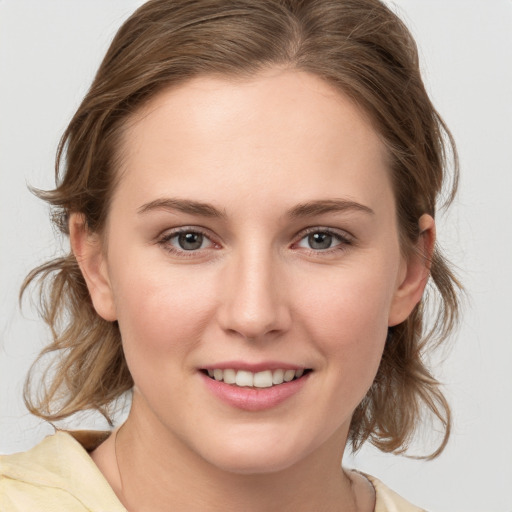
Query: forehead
point(286, 133)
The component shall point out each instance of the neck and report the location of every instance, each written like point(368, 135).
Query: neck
point(154, 475)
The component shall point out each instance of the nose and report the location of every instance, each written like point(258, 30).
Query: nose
point(254, 302)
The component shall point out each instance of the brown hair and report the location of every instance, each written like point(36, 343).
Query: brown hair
point(360, 47)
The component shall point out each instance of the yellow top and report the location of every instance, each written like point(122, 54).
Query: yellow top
point(58, 475)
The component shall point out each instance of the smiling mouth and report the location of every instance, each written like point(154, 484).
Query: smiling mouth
point(263, 379)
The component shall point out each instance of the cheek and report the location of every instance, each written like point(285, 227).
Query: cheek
point(350, 301)
point(349, 321)
point(161, 312)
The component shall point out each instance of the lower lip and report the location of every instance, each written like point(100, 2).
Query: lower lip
point(254, 399)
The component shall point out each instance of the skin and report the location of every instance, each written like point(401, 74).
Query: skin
point(256, 150)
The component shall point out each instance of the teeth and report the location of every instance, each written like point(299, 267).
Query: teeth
point(264, 379)
point(288, 375)
point(244, 378)
point(229, 376)
point(278, 377)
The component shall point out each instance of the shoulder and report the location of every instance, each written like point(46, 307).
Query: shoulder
point(388, 500)
point(56, 475)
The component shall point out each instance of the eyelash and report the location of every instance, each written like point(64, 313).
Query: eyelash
point(164, 241)
point(344, 239)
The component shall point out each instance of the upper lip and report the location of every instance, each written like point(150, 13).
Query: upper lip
point(253, 367)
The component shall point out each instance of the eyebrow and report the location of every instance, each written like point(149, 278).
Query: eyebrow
point(327, 206)
point(182, 205)
point(308, 209)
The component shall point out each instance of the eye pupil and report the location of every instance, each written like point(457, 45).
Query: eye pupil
point(190, 241)
point(320, 240)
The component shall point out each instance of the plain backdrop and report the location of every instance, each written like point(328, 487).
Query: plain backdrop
point(49, 51)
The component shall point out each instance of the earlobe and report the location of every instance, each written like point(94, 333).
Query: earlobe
point(416, 272)
point(88, 250)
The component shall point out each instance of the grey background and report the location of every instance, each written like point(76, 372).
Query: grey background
point(49, 51)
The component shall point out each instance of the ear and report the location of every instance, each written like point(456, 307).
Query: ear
point(414, 274)
point(89, 253)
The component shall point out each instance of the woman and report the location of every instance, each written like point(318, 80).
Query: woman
point(250, 191)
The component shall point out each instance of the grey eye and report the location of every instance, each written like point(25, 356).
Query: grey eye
point(190, 241)
point(320, 240)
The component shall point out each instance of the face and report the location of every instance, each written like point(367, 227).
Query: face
point(252, 239)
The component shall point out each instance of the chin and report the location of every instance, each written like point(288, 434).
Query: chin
point(256, 454)
point(254, 464)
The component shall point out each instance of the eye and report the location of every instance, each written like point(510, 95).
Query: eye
point(318, 241)
point(185, 240)
point(323, 240)
point(189, 241)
